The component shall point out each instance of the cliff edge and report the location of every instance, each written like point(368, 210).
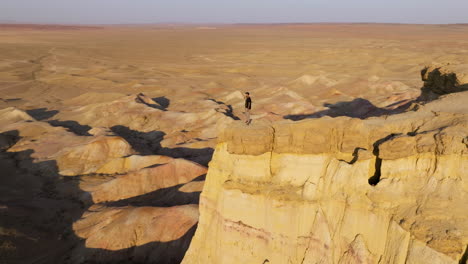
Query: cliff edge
point(391, 189)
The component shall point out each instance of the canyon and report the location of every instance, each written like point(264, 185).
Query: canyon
point(126, 144)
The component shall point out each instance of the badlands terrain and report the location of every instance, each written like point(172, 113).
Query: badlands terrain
point(357, 151)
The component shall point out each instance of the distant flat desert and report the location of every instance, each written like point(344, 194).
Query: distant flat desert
point(289, 69)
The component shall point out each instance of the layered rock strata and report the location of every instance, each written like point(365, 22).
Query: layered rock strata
point(340, 190)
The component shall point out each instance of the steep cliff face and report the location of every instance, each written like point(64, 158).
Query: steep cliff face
point(340, 190)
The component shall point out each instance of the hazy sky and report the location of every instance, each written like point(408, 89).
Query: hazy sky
point(234, 11)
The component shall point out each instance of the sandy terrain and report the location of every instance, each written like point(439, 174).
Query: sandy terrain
point(307, 65)
point(75, 99)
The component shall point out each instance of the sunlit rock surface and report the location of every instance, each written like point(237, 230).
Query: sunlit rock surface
point(340, 190)
point(147, 234)
point(104, 128)
point(160, 175)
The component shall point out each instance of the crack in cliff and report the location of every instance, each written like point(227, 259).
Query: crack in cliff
point(305, 253)
point(414, 132)
point(375, 179)
point(271, 150)
point(464, 257)
point(355, 156)
point(308, 245)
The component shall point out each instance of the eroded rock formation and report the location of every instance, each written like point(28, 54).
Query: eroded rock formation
point(66, 197)
point(339, 190)
point(442, 79)
point(147, 234)
point(166, 174)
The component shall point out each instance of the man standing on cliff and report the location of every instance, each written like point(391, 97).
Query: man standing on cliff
point(248, 106)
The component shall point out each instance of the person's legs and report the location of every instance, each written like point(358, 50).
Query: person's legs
point(247, 115)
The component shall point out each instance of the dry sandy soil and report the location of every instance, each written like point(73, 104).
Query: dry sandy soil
point(303, 65)
point(67, 93)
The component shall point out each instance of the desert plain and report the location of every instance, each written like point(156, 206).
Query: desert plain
point(108, 131)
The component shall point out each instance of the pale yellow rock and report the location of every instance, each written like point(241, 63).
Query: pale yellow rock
point(194, 186)
point(159, 234)
point(89, 157)
point(134, 162)
point(122, 223)
point(12, 115)
point(397, 244)
point(419, 252)
point(339, 190)
point(138, 182)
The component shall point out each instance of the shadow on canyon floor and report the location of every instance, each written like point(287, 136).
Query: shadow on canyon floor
point(41, 113)
point(357, 108)
point(165, 197)
point(38, 207)
point(35, 216)
point(7, 100)
point(149, 143)
point(72, 126)
point(163, 102)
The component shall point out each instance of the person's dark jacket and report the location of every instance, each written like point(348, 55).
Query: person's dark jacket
point(248, 103)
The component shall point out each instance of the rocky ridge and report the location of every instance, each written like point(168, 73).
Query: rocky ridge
point(389, 189)
point(93, 198)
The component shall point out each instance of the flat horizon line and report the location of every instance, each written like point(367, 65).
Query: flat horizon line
point(13, 23)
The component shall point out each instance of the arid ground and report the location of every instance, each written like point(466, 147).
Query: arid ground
point(289, 69)
point(75, 101)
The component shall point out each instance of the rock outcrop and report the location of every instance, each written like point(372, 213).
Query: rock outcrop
point(11, 115)
point(442, 79)
point(75, 155)
point(147, 234)
point(166, 174)
point(339, 190)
